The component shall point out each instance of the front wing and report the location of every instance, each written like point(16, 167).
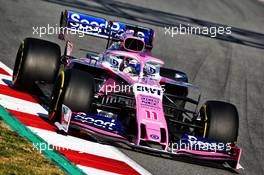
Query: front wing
point(220, 159)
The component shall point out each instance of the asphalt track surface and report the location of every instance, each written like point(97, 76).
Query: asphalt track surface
point(225, 68)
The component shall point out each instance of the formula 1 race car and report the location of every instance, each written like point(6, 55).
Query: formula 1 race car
point(124, 95)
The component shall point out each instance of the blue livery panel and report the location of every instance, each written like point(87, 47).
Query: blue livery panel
point(100, 122)
point(99, 27)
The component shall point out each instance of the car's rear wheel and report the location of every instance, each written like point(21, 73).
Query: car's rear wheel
point(36, 60)
point(73, 88)
point(221, 121)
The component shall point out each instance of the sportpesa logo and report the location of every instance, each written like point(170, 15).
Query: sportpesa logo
point(82, 117)
point(89, 23)
point(93, 25)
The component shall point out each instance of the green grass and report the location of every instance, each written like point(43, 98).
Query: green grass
point(18, 156)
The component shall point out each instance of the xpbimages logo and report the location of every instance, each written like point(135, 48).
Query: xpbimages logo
point(189, 142)
point(55, 30)
point(211, 31)
point(43, 146)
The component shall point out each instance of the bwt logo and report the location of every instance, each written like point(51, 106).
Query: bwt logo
point(149, 90)
point(89, 23)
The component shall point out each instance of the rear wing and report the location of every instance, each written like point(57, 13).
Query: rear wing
point(99, 27)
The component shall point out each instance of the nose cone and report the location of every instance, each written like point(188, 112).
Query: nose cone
point(152, 125)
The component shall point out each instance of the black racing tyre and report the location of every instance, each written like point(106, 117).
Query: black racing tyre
point(221, 121)
point(73, 88)
point(36, 60)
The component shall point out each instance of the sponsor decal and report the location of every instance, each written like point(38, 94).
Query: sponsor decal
point(155, 137)
point(65, 119)
point(149, 90)
point(100, 122)
point(151, 115)
point(98, 26)
point(90, 24)
point(149, 101)
point(96, 121)
point(150, 69)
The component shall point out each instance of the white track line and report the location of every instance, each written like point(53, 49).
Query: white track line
point(131, 162)
point(22, 105)
point(5, 77)
point(72, 142)
point(85, 146)
point(94, 171)
point(65, 141)
point(77, 144)
point(6, 68)
point(16, 103)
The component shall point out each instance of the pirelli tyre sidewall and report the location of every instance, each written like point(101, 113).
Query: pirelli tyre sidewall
point(73, 88)
point(221, 121)
point(36, 60)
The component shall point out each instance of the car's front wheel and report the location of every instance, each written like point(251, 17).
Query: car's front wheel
point(220, 121)
point(73, 88)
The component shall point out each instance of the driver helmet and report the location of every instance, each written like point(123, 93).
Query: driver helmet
point(132, 66)
point(135, 64)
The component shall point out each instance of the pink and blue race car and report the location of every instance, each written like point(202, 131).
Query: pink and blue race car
point(124, 96)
